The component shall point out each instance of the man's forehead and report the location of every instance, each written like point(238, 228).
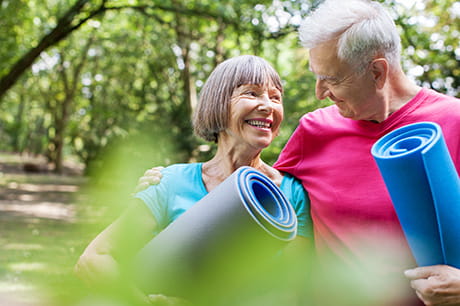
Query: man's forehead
point(326, 65)
point(323, 72)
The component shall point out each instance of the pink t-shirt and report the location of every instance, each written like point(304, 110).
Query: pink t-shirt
point(351, 209)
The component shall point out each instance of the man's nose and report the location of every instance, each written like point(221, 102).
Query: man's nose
point(321, 90)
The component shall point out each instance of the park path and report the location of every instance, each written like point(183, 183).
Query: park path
point(38, 215)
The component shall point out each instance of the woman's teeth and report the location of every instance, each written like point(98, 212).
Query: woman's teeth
point(259, 124)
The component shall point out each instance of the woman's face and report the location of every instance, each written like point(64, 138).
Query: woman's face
point(256, 112)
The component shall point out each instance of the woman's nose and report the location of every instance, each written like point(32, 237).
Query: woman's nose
point(265, 104)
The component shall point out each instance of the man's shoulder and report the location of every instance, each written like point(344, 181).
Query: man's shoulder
point(436, 106)
point(434, 96)
point(321, 118)
point(327, 112)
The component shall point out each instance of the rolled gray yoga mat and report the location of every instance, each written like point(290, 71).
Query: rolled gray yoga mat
point(232, 233)
point(425, 189)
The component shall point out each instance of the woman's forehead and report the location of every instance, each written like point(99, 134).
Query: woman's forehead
point(267, 85)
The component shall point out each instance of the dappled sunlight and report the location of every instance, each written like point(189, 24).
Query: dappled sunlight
point(38, 219)
point(48, 210)
point(26, 197)
point(42, 187)
point(20, 294)
point(28, 266)
point(22, 246)
point(6, 286)
point(40, 200)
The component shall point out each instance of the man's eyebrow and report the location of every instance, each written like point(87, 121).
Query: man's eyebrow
point(325, 77)
point(320, 76)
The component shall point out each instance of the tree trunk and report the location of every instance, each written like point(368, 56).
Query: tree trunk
point(184, 111)
point(62, 114)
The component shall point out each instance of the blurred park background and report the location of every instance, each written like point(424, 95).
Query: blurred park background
point(92, 93)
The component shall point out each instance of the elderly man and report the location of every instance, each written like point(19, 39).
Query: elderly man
point(354, 52)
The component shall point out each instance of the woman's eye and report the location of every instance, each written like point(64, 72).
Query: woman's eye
point(250, 93)
point(276, 99)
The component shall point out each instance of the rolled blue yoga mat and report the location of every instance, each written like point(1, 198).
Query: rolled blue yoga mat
point(424, 187)
point(230, 233)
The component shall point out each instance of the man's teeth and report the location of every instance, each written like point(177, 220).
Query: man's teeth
point(258, 123)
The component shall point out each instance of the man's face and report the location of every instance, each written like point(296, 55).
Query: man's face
point(353, 93)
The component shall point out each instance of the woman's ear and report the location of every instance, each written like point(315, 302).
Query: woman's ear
point(379, 69)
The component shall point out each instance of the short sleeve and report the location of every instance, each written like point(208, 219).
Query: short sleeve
point(298, 197)
point(154, 197)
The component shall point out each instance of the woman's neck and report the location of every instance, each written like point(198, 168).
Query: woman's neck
point(225, 162)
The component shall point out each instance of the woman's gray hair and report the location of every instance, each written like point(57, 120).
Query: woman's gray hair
point(364, 30)
point(213, 109)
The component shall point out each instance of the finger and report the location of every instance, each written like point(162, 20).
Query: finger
point(151, 180)
point(420, 285)
point(154, 180)
point(421, 297)
point(421, 272)
point(427, 291)
point(154, 171)
point(146, 181)
point(141, 186)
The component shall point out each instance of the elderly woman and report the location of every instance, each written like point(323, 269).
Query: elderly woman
point(240, 109)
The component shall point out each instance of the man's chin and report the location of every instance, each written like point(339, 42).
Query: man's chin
point(346, 114)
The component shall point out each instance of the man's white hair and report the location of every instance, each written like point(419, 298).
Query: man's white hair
point(363, 28)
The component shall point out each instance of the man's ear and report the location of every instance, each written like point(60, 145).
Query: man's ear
point(379, 69)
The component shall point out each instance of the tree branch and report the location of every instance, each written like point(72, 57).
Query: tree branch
point(61, 30)
point(64, 27)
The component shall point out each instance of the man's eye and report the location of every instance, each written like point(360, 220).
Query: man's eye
point(334, 82)
point(329, 80)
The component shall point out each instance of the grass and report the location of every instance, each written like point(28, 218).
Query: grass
point(43, 230)
point(47, 220)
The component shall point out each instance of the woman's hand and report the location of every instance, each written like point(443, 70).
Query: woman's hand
point(150, 177)
point(436, 285)
point(97, 269)
point(101, 272)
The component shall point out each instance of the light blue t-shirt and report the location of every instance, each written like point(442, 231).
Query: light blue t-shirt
point(182, 186)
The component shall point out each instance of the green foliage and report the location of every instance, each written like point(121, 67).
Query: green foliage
point(14, 31)
point(147, 60)
point(430, 36)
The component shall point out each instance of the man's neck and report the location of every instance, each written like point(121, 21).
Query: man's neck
point(401, 91)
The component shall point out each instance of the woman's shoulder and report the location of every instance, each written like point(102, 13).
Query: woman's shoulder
point(291, 185)
point(290, 179)
point(176, 177)
point(182, 170)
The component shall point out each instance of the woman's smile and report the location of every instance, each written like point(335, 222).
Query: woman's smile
point(260, 123)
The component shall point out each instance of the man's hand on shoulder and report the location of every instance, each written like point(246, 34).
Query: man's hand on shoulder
point(151, 177)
